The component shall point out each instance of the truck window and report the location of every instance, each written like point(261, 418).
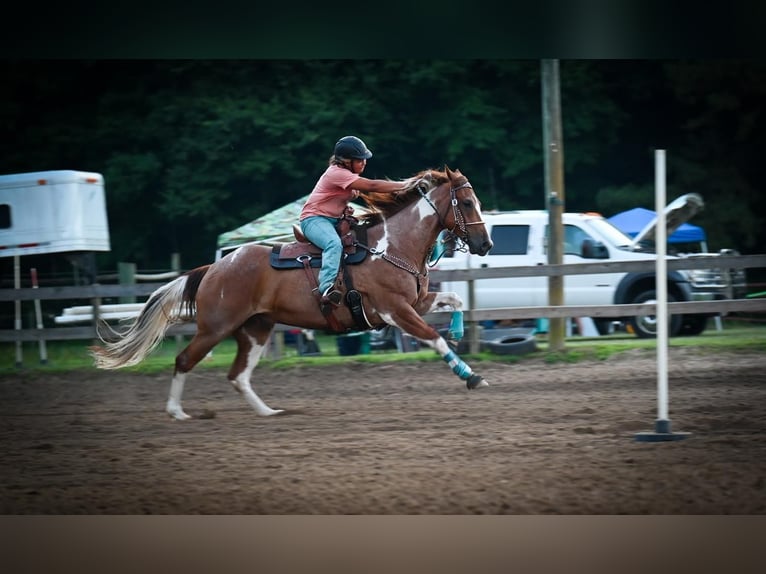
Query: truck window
point(573, 237)
point(510, 239)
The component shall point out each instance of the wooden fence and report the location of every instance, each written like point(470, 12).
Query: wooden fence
point(96, 293)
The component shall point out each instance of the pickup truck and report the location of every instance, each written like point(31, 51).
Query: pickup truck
point(520, 239)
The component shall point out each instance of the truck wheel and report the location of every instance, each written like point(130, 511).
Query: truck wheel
point(645, 326)
point(693, 325)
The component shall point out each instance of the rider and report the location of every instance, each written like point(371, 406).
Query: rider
point(340, 183)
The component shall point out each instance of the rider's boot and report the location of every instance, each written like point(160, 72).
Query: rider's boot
point(330, 298)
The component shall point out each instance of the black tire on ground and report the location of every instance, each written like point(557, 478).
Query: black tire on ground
point(645, 326)
point(520, 344)
point(693, 325)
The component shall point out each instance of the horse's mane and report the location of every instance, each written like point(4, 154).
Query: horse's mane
point(384, 205)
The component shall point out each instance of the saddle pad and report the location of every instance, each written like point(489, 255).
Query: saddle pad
point(285, 256)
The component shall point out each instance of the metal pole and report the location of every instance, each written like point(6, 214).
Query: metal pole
point(661, 283)
point(554, 193)
point(662, 423)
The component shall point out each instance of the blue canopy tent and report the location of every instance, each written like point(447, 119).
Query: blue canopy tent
point(631, 222)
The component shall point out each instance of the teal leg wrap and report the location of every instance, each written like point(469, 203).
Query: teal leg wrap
point(459, 366)
point(456, 325)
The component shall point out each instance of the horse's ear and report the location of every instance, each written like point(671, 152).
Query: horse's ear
point(452, 174)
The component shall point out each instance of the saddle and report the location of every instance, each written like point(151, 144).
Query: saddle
point(302, 254)
point(292, 255)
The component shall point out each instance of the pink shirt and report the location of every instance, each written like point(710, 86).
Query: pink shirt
point(331, 193)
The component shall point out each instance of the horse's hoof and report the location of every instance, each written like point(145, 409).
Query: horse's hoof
point(269, 412)
point(476, 382)
point(179, 416)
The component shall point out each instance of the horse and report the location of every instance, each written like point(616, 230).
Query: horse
point(243, 296)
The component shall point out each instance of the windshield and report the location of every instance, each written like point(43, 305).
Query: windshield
point(609, 232)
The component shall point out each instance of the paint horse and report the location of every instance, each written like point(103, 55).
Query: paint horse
point(243, 296)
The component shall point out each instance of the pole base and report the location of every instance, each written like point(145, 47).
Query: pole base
point(661, 433)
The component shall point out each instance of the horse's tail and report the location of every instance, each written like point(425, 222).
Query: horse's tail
point(171, 303)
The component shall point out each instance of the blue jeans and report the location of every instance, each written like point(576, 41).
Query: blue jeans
point(321, 232)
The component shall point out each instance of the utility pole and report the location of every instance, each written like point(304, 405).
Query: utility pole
point(553, 147)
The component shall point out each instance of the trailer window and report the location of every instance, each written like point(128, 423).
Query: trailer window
point(509, 239)
point(5, 216)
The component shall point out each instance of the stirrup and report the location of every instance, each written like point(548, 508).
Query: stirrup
point(331, 295)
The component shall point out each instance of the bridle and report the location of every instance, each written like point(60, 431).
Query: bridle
point(458, 216)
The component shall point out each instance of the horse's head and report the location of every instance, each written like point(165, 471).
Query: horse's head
point(447, 194)
point(464, 218)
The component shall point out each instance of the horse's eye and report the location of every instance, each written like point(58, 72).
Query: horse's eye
point(468, 203)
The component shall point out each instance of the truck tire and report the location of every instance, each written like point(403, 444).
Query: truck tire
point(693, 325)
point(645, 326)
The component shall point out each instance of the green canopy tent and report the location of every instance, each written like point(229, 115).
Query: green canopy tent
point(274, 227)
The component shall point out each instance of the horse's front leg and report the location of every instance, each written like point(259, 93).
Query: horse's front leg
point(408, 320)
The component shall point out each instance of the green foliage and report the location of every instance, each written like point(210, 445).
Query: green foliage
point(192, 148)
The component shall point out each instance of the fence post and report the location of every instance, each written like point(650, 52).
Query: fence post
point(473, 327)
point(126, 272)
point(39, 319)
point(175, 265)
point(17, 308)
point(96, 305)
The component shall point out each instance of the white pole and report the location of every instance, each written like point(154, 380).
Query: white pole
point(661, 287)
point(662, 423)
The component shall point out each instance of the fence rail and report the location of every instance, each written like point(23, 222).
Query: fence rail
point(95, 293)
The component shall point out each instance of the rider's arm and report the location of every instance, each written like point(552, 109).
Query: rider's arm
point(376, 185)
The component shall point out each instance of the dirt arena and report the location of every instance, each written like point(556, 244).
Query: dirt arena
point(393, 439)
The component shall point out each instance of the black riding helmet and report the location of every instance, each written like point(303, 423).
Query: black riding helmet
point(352, 147)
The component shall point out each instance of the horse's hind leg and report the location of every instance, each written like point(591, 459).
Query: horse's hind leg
point(251, 338)
point(199, 346)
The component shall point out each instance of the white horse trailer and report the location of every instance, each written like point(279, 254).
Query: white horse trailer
point(52, 212)
point(62, 211)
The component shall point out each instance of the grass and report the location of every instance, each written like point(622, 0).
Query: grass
point(72, 355)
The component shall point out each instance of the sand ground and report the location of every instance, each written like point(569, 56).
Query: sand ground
point(393, 439)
